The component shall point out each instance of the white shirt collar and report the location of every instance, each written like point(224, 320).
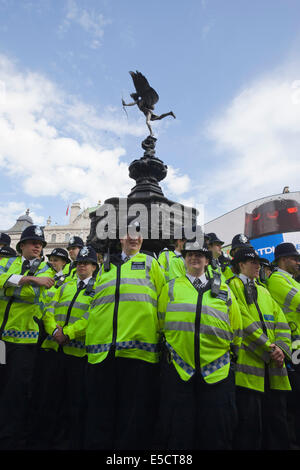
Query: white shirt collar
point(283, 271)
point(245, 279)
point(30, 260)
point(177, 253)
point(84, 280)
point(123, 255)
point(192, 278)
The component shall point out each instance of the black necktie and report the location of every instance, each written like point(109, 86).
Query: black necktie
point(25, 266)
point(253, 289)
point(197, 284)
point(80, 285)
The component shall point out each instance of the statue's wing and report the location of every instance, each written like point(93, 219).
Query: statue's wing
point(143, 88)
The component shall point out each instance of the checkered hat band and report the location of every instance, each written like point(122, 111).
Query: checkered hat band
point(98, 348)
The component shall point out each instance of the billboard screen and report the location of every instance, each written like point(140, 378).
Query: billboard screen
point(266, 222)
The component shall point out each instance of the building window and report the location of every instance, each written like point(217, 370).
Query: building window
point(53, 238)
point(67, 237)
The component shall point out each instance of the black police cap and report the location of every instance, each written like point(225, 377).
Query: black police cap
point(61, 253)
point(75, 241)
point(33, 232)
point(196, 247)
point(212, 238)
point(245, 254)
point(4, 239)
point(239, 241)
point(7, 252)
point(87, 253)
point(285, 249)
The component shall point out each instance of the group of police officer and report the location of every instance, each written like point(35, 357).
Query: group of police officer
point(193, 350)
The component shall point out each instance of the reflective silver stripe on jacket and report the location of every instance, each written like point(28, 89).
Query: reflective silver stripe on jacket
point(257, 325)
point(72, 319)
point(278, 371)
point(288, 300)
point(250, 370)
point(282, 345)
point(67, 303)
point(223, 316)
point(171, 290)
point(107, 299)
point(184, 307)
point(204, 329)
point(264, 355)
point(127, 280)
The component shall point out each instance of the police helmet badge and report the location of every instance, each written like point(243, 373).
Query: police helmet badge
point(243, 238)
point(72, 240)
point(84, 251)
point(38, 231)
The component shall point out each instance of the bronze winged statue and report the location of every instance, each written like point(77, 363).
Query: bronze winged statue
point(145, 98)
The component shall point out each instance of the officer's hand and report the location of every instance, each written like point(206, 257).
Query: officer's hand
point(43, 281)
point(60, 337)
point(277, 355)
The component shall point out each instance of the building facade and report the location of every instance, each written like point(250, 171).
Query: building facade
point(56, 235)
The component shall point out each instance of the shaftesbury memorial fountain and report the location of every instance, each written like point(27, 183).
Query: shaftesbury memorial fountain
point(160, 220)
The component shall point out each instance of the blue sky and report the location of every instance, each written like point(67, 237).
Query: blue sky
point(230, 71)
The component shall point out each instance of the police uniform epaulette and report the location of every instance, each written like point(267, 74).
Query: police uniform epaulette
point(150, 253)
point(164, 250)
point(230, 279)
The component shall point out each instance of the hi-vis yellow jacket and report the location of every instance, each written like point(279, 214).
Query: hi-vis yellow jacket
point(199, 329)
point(286, 291)
point(69, 308)
point(263, 324)
point(18, 305)
point(164, 260)
point(123, 314)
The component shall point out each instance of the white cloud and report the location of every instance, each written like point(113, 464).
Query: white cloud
point(90, 21)
point(53, 145)
point(257, 139)
point(176, 183)
point(9, 213)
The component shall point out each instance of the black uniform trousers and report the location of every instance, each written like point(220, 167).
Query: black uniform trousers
point(263, 423)
point(293, 400)
point(122, 404)
point(15, 394)
point(58, 402)
point(195, 415)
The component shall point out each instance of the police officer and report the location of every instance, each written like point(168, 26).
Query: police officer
point(265, 271)
point(286, 291)
point(201, 321)
point(172, 261)
point(58, 404)
point(238, 241)
point(21, 286)
point(122, 341)
point(59, 260)
point(7, 252)
point(5, 239)
point(74, 246)
point(219, 261)
point(261, 375)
